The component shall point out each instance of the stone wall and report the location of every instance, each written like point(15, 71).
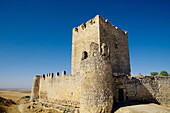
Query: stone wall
point(82, 37)
point(117, 41)
point(61, 90)
point(144, 89)
point(35, 88)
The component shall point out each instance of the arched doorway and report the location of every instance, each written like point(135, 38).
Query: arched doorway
point(121, 95)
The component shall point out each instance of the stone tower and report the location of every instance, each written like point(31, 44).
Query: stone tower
point(99, 31)
point(96, 83)
point(35, 88)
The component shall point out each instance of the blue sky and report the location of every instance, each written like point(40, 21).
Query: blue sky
point(35, 35)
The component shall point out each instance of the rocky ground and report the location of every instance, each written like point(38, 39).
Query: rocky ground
point(145, 108)
point(7, 105)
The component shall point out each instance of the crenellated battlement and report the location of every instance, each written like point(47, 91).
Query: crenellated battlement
point(52, 76)
point(85, 26)
point(115, 29)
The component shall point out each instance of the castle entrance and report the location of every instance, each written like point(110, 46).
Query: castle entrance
point(121, 95)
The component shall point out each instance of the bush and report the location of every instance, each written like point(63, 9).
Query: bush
point(154, 73)
point(164, 73)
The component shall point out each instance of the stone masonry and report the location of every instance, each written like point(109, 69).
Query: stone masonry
point(99, 30)
point(96, 94)
point(100, 74)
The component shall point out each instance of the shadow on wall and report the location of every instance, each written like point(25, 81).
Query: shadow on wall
point(130, 91)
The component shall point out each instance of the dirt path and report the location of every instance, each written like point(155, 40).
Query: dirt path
point(20, 108)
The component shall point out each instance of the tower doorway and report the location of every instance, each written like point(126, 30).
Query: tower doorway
point(121, 95)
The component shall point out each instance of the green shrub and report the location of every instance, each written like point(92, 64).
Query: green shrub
point(154, 73)
point(164, 73)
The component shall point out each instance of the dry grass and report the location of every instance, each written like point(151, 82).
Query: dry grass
point(13, 94)
point(7, 105)
point(10, 98)
point(15, 101)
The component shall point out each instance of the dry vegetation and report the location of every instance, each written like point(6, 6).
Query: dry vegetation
point(9, 100)
point(17, 101)
point(5, 104)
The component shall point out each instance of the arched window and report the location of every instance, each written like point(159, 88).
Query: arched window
point(84, 55)
point(116, 45)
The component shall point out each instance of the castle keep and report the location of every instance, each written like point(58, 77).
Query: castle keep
point(100, 74)
point(99, 31)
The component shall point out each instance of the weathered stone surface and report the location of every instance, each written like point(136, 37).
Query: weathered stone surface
point(35, 88)
point(30, 107)
point(96, 94)
point(144, 89)
point(150, 108)
point(101, 32)
point(81, 41)
point(64, 90)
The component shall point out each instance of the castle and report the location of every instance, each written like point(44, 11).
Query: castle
point(100, 74)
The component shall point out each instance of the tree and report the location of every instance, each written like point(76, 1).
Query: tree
point(154, 73)
point(164, 73)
